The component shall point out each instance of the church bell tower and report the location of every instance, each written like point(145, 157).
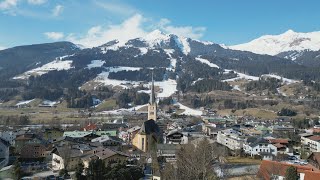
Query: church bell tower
point(152, 107)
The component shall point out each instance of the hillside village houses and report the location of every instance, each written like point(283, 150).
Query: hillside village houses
point(124, 141)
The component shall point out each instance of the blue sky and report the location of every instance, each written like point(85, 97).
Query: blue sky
point(93, 22)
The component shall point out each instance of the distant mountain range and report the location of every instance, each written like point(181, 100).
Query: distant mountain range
point(291, 55)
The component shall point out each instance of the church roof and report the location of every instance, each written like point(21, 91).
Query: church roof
point(149, 127)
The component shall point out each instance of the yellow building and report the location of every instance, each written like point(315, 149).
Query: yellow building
point(147, 137)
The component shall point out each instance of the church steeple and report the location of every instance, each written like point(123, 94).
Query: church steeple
point(152, 95)
point(152, 107)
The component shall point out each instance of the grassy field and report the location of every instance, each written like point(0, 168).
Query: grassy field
point(242, 160)
point(7, 174)
point(259, 113)
point(107, 105)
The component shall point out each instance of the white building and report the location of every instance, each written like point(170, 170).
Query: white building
point(4, 153)
point(311, 143)
point(106, 140)
point(260, 147)
point(9, 136)
point(231, 139)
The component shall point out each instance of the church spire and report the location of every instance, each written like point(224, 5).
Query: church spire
point(152, 95)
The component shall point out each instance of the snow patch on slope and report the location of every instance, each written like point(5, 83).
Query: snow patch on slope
point(24, 102)
point(240, 76)
point(123, 110)
point(51, 66)
point(173, 61)
point(256, 78)
point(167, 87)
point(189, 111)
point(95, 63)
point(205, 61)
point(284, 80)
point(143, 51)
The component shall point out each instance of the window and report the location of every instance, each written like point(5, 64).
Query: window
point(142, 145)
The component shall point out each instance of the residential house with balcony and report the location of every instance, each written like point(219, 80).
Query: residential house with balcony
point(311, 143)
point(261, 147)
point(231, 139)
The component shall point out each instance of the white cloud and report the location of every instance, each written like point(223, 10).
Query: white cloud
point(185, 31)
point(57, 10)
point(37, 2)
point(54, 35)
point(98, 35)
point(117, 7)
point(8, 4)
point(131, 28)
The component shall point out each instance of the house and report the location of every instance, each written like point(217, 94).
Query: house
point(108, 156)
point(175, 137)
point(210, 130)
point(130, 133)
point(314, 159)
point(90, 127)
point(23, 139)
point(33, 151)
point(78, 134)
point(261, 147)
point(52, 134)
point(106, 140)
point(68, 156)
point(277, 170)
point(168, 151)
point(263, 129)
point(284, 131)
point(9, 136)
point(281, 144)
point(230, 138)
point(4, 153)
point(311, 143)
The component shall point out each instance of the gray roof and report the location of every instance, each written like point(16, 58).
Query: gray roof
point(259, 141)
point(150, 127)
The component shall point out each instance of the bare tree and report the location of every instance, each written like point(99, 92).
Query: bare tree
point(65, 154)
point(195, 161)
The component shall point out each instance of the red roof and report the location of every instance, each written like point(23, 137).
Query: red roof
point(315, 138)
point(279, 168)
point(90, 127)
point(316, 130)
point(281, 141)
point(312, 175)
point(278, 145)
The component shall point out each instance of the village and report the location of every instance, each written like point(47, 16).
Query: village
point(146, 142)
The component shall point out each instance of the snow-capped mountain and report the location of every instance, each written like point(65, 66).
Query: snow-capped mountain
point(288, 41)
point(153, 40)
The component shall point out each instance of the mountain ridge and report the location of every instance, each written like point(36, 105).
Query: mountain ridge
point(276, 44)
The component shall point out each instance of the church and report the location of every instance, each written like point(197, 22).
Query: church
point(149, 134)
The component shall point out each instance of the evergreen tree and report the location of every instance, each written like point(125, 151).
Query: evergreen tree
point(79, 172)
point(291, 173)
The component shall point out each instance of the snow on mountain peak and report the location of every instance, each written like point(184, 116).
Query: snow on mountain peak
point(156, 37)
point(288, 41)
point(289, 32)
